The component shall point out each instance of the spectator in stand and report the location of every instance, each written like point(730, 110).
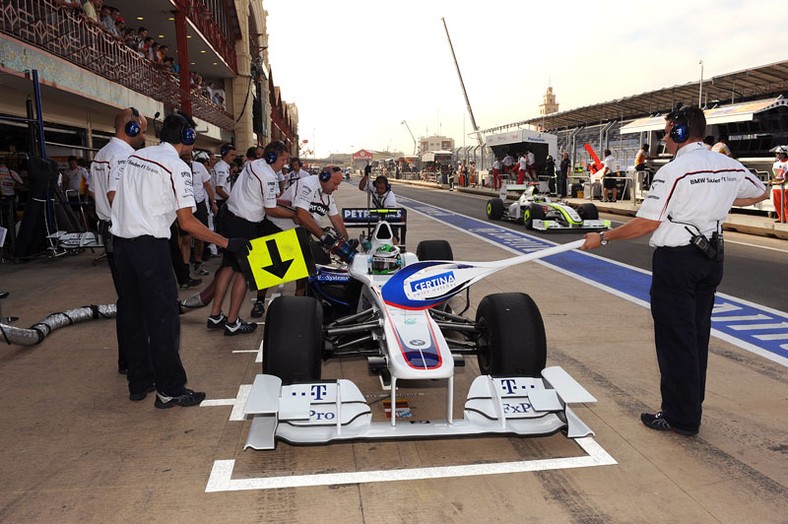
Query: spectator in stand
point(142, 34)
point(173, 68)
point(145, 50)
point(722, 146)
point(153, 54)
point(92, 8)
point(120, 27)
point(164, 51)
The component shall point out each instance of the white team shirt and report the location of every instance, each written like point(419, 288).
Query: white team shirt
point(154, 185)
point(508, 160)
point(7, 179)
point(292, 176)
point(74, 178)
point(523, 163)
point(610, 163)
point(287, 198)
point(199, 178)
point(254, 190)
point(105, 171)
point(310, 197)
point(531, 159)
point(221, 176)
point(780, 171)
point(695, 176)
point(385, 201)
point(497, 164)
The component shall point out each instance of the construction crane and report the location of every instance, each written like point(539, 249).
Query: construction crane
point(462, 84)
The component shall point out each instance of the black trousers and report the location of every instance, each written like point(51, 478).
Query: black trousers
point(149, 302)
point(121, 328)
point(682, 297)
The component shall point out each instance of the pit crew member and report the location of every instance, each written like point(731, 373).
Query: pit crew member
point(779, 193)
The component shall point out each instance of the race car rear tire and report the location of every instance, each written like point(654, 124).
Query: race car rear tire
point(495, 209)
point(434, 250)
point(293, 339)
point(588, 212)
point(533, 211)
point(511, 338)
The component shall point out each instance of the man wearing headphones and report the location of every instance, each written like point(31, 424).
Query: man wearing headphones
point(252, 198)
point(314, 200)
point(688, 201)
point(154, 188)
point(379, 191)
point(130, 128)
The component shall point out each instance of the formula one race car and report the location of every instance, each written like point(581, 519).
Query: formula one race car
point(391, 306)
point(538, 211)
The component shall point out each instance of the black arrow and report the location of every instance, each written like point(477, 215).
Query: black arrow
point(278, 267)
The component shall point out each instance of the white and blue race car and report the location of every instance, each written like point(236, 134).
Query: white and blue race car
point(540, 212)
point(390, 306)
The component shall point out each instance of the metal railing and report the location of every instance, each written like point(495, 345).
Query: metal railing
point(63, 31)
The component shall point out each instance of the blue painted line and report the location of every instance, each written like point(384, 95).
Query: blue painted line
point(753, 327)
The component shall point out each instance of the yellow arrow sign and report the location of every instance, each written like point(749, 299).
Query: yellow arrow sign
point(278, 258)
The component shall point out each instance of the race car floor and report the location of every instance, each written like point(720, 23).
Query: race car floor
point(76, 449)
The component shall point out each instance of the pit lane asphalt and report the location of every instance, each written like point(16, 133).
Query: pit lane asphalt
point(75, 449)
point(751, 262)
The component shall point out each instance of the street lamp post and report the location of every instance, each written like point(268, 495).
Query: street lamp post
point(700, 87)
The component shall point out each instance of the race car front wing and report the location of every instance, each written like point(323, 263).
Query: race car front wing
point(321, 412)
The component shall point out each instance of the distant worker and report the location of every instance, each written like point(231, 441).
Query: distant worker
point(643, 164)
point(685, 203)
point(496, 173)
point(531, 163)
point(780, 178)
point(722, 147)
point(609, 176)
point(563, 174)
point(522, 167)
point(297, 171)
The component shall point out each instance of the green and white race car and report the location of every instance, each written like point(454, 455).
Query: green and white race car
point(540, 212)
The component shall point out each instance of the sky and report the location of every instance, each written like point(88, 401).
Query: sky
point(357, 69)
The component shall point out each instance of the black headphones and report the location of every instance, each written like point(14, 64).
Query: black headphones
point(226, 148)
point(184, 133)
point(274, 148)
point(679, 133)
point(382, 178)
point(132, 128)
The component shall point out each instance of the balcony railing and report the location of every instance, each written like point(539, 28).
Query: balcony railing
point(63, 31)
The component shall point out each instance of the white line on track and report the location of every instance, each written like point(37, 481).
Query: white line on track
point(221, 474)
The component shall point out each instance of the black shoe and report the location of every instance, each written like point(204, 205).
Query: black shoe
point(238, 328)
point(258, 309)
point(216, 321)
point(187, 399)
point(658, 422)
point(136, 397)
point(192, 282)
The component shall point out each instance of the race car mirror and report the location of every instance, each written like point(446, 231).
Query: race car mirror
point(278, 258)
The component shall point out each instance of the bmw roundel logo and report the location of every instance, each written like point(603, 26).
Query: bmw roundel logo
point(416, 342)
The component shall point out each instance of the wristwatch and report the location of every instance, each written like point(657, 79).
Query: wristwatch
point(602, 240)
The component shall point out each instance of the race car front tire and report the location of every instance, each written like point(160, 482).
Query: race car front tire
point(293, 339)
point(511, 339)
point(588, 212)
point(531, 212)
point(495, 209)
point(434, 250)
